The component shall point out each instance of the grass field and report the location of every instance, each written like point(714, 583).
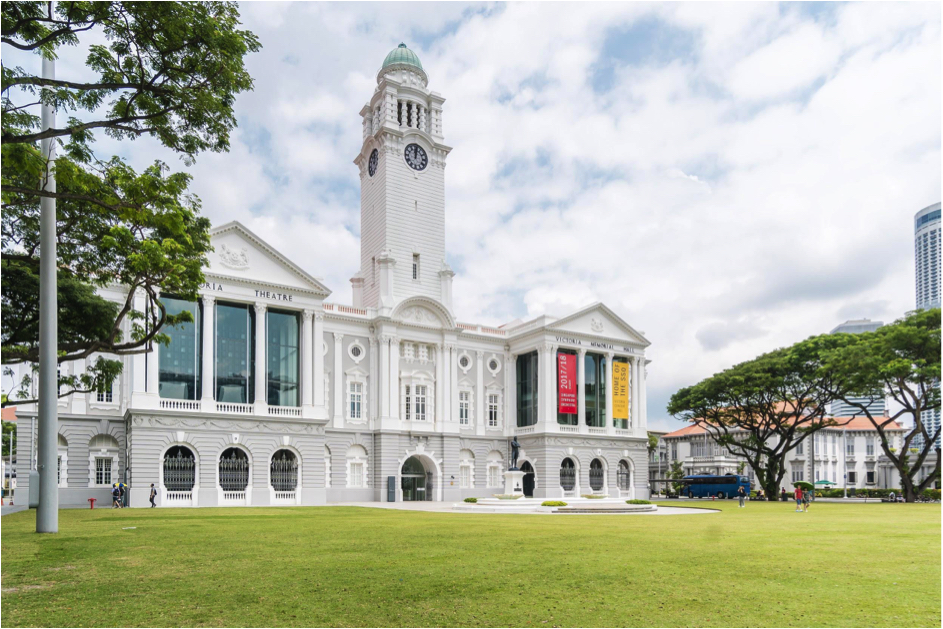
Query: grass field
point(838, 565)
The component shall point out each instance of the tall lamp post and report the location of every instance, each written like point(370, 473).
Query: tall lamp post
point(47, 514)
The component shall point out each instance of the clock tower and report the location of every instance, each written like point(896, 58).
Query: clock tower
point(402, 190)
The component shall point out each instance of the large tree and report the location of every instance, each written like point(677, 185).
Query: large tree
point(168, 70)
point(900, 361)
point(760, 409)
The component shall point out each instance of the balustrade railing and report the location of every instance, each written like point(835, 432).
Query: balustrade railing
point(526, 430)
point(178, 496)
point(286, 496)
point(284, 411)
point(180, 405)
point(224, 407)
point(569, 428)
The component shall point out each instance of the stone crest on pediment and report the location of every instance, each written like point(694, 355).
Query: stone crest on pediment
point(234, 258)
point(421, 316)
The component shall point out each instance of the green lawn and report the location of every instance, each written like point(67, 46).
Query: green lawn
point(838, 565)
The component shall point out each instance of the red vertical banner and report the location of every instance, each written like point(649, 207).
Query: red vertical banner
point(566, 383)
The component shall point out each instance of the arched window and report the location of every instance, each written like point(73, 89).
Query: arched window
point(357, 467)
point(103, 460)
point(495, 465)
point(624, 476)
point(233, 472)
point(327, 466)
point(466, 469)
point(62, 461)
point(596, 475)
point(179, 470)
point(568, 474)
point(284, 472)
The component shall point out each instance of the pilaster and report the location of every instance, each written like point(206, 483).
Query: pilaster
point(307, 378)
point(338, 380)
point(208, 377)
point(581, 391)
point(261, 388)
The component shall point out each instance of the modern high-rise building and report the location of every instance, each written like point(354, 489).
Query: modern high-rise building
point(843, 409)
point(927, 241)
point(927, 256)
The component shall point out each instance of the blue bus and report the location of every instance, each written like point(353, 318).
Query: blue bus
point(704, 486)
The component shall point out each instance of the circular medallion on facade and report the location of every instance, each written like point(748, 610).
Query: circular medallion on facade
point(464, 362)
point(416, 157)
point(494, 366)
point(374, 160)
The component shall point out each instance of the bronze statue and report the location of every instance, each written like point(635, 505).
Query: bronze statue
point(515, 452)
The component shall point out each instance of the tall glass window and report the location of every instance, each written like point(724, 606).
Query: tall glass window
point(179, 361)
point(566, 419)
point(595, 390)
point(527, 389)
point(235, 353)
point(283, 358)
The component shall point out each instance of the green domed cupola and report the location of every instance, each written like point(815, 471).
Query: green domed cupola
point(402, 58)
point(402, 55)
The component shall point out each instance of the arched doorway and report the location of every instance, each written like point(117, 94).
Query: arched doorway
point(530, 479)
point(568, 476)
point(624, 479)
point(179, 476)
point(415, 481)
point(597, 475)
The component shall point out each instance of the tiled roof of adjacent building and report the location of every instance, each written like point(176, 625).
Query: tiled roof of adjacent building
point(843, 423)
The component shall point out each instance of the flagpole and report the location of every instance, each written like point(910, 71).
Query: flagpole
point(47, 514)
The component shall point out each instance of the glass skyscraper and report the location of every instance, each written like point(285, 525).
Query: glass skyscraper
point(927, 239)
point(842, 409)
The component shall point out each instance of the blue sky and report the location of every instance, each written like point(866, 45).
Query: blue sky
point(729, 178)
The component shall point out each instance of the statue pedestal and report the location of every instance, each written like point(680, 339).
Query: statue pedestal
point(514, 483)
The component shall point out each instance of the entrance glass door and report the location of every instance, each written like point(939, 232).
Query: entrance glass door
point(414, 482)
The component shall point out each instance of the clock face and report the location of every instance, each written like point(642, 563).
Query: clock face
point(416, 157)
point(374, 159)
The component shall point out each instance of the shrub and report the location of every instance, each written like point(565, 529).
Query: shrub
point(636, 501)
point(472, 500)
point(552, 503)
point(932, 494)
point(595, 496)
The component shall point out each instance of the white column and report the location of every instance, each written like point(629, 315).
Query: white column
point(338, 379)
point(261, 386)
point(643, 394)
point(581, 390)
point(307, 346)
point(384, 376)
point(208, 377)
point(374, 379)
point(609, 423)
point(394, 377)
point(540, 400)
point(153, 376)
point(318, 354)
point(448, 392)
point(452, 359)
point(440, 394)
point(481, 415)
point(510, 392)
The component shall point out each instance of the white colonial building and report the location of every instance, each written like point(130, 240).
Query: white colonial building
point(276, 396)
point(848, 454)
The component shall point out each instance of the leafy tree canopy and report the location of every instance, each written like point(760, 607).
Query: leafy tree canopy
point(165, 69)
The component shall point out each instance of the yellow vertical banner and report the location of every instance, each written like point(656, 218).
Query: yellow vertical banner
point(620, 390)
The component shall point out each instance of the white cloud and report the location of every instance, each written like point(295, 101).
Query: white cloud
point(745, 193)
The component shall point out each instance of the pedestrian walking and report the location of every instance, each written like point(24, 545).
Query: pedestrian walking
point(782, 495)
point(798, 496)
point(121, 494)
point(153, 495)
point(806, 499)
point(115, 498)
point(742, 495)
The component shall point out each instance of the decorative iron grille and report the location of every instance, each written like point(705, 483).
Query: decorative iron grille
point(284, 470)
point(568, 476)
point(623, 478)
point(179, 470)
point(233, 471)
point(596, 474)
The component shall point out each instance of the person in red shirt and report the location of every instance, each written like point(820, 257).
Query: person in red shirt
point(798, 495)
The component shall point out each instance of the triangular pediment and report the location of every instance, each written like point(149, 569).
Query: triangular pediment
point(239, 253)
point(598, 320)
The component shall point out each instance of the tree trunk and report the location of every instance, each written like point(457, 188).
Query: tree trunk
point(907, 487)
